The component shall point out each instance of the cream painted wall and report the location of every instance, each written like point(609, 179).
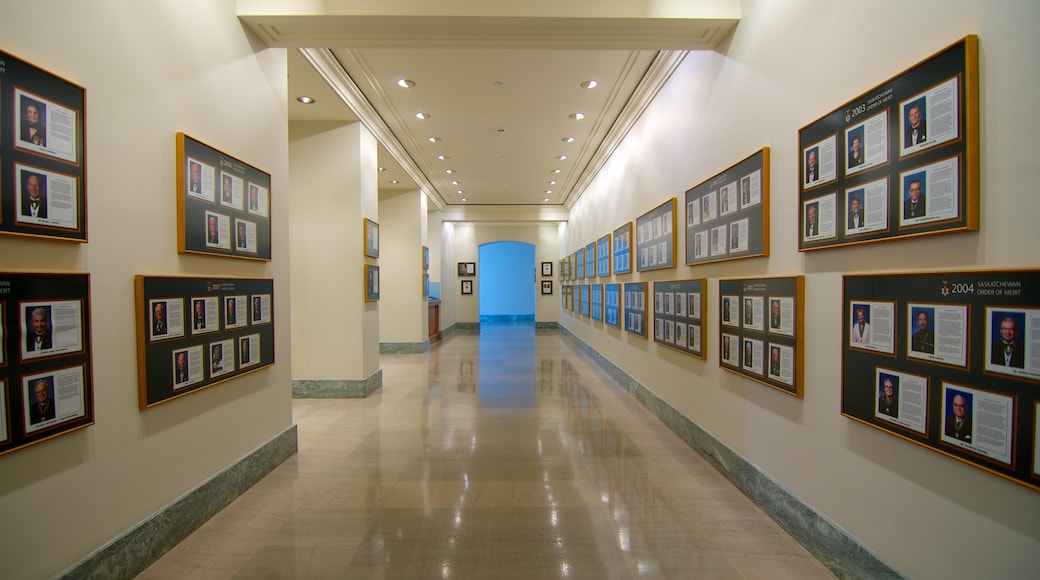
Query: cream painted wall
point(403, 310)
point(787, 64)
point(449, 293)
point(332, 187)
point(150, 69)
point(466, 242)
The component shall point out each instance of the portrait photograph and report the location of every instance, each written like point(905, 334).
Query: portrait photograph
point(866, 208)
point(46, 127)
point(820, 163)
point(165, 318)
point(260, 305)
point(930, 118)
point(200, 180)
point(872, 326)
point(46, 198)
point(819, 218)
point(51, 328)
point(205, 315)
point(887, 395)
point(249, 351)
point(245, 236)
point(221, 358)
point(693, 213)
point(257, 200)
point(371, 238)
point(926, 342)
point(231, 190)
point(467, 268)
point(41, 406)
point(866, 144)
point(547, 287)
point(218, 231)
point(978, 420)
point(1008, 348)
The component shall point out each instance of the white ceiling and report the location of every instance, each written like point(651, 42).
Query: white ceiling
point(499, 105)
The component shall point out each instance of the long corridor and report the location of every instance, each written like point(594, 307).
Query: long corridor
point(500, 453)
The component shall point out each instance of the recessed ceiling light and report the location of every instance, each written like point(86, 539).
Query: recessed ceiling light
point(405, 83)
point(458, 191)
point(433, 139)
point(577, 116)
point(421, 115)
point(546, 199)
point(568, 139)
point(382, 168)
point(393, 181)
point(548, 191)
point(463, 199)
point(553, 182)
point(557, 170)
point(590, 84)
point(454, 181)
point(442, 157)
point(561, 157)
point(305, 100)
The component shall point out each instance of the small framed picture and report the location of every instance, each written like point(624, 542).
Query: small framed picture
point(371, 238)
point(467, 286)
point(371, 283)
point(547, 286)
point(546, 271)
point(425, 258)
point(467, 268)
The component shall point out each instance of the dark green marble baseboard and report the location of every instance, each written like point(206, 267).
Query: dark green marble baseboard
point(829, 543)
point(337, 388)
point(129, 554)
point(404, 347)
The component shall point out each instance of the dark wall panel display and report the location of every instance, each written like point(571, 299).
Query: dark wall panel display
point(727, 216)
point(949, 361)
point(635, 308)
point(655, 238)
point(46, 387)
point(900, 160)
point(193, 333)
point(612, 304)
point(760, 330)
point(679, 308)
point(623, 249)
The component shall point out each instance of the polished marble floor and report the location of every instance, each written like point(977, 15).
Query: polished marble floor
point(500, 453)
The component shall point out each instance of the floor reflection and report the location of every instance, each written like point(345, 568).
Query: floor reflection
point(531, 464)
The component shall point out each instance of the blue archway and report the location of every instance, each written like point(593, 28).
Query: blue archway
point(506, 279)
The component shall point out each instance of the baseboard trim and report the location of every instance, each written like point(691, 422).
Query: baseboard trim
point(131, 553)
point(337, 388)
point(404, 347)
point(828, 542)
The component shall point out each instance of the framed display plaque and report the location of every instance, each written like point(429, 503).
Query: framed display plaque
point(580, 261)
point(727, 216)
point(425, 258)
point(46, 386)
point(897, 161)
point(949, 361)
point(193, 333)
point(467, 287)
point(655, 238)
point(596, 301)
point(679, 309)
point(590, 260)
point(760, 330)
point(371, 231)
point(612, 305)
point(635, 308)
point(223, 204)
point(467, 268)
point(603, 256)
point(371, 283)
point(623, 249)
point(43, 176)
point(547, 286)
point(546, 269)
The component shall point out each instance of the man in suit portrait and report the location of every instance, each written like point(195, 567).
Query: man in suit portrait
point(861, 328)
point(774, 314)
point(855, 152)
point(855, 213)
point(914, 205)
point(181, 370)
point(924, 339)
point(888, 402)
point(725, 309)
point(749, 312)
point(33, 130)
point(774, 361)
point(230, 315)
point(34, 199)
point(159, 319)
point(226, 193)
point(915, 127)
point(725, 199)
point(245, 351)
point(745, 188)
point(958, 425)
point(216, 358)
point(257, 310)
point(43, 408)
point(254, 198)
point(1008, 350)
point(812, 169)
point(195, 179)
point(749, 355)
point(734, 236)
point(39, 335)
point(212, 234)
point(812, 227)
point(199, 319)
point(241, 234)
point(725, 348)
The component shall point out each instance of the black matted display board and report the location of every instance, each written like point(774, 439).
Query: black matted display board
point(679, 315)
point(727, 216)
point(46, 386)
point(635, 308)
point(760, 330)
point(655, 238)
point(43, 158)
point(950, 361)
point(623, 249)
point(900, 160)
point(193, 333)
point(612, 304)
point(223, 204)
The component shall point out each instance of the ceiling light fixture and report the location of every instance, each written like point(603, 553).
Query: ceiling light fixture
point(454, 181)
point(463, 199)
point(568, 139)
point(442, 157)
point(421, 115)
point(394, 181)
point(577, 116)
point(448, 171)
point(381, 168)
point(405, 83)
point(548, 191)
point(553, 182)
point(546, 199)
point(590, 84)
point(305, 99)
point(561, 157)
point(557, 170)
point(458, 191)
point(433, 139)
